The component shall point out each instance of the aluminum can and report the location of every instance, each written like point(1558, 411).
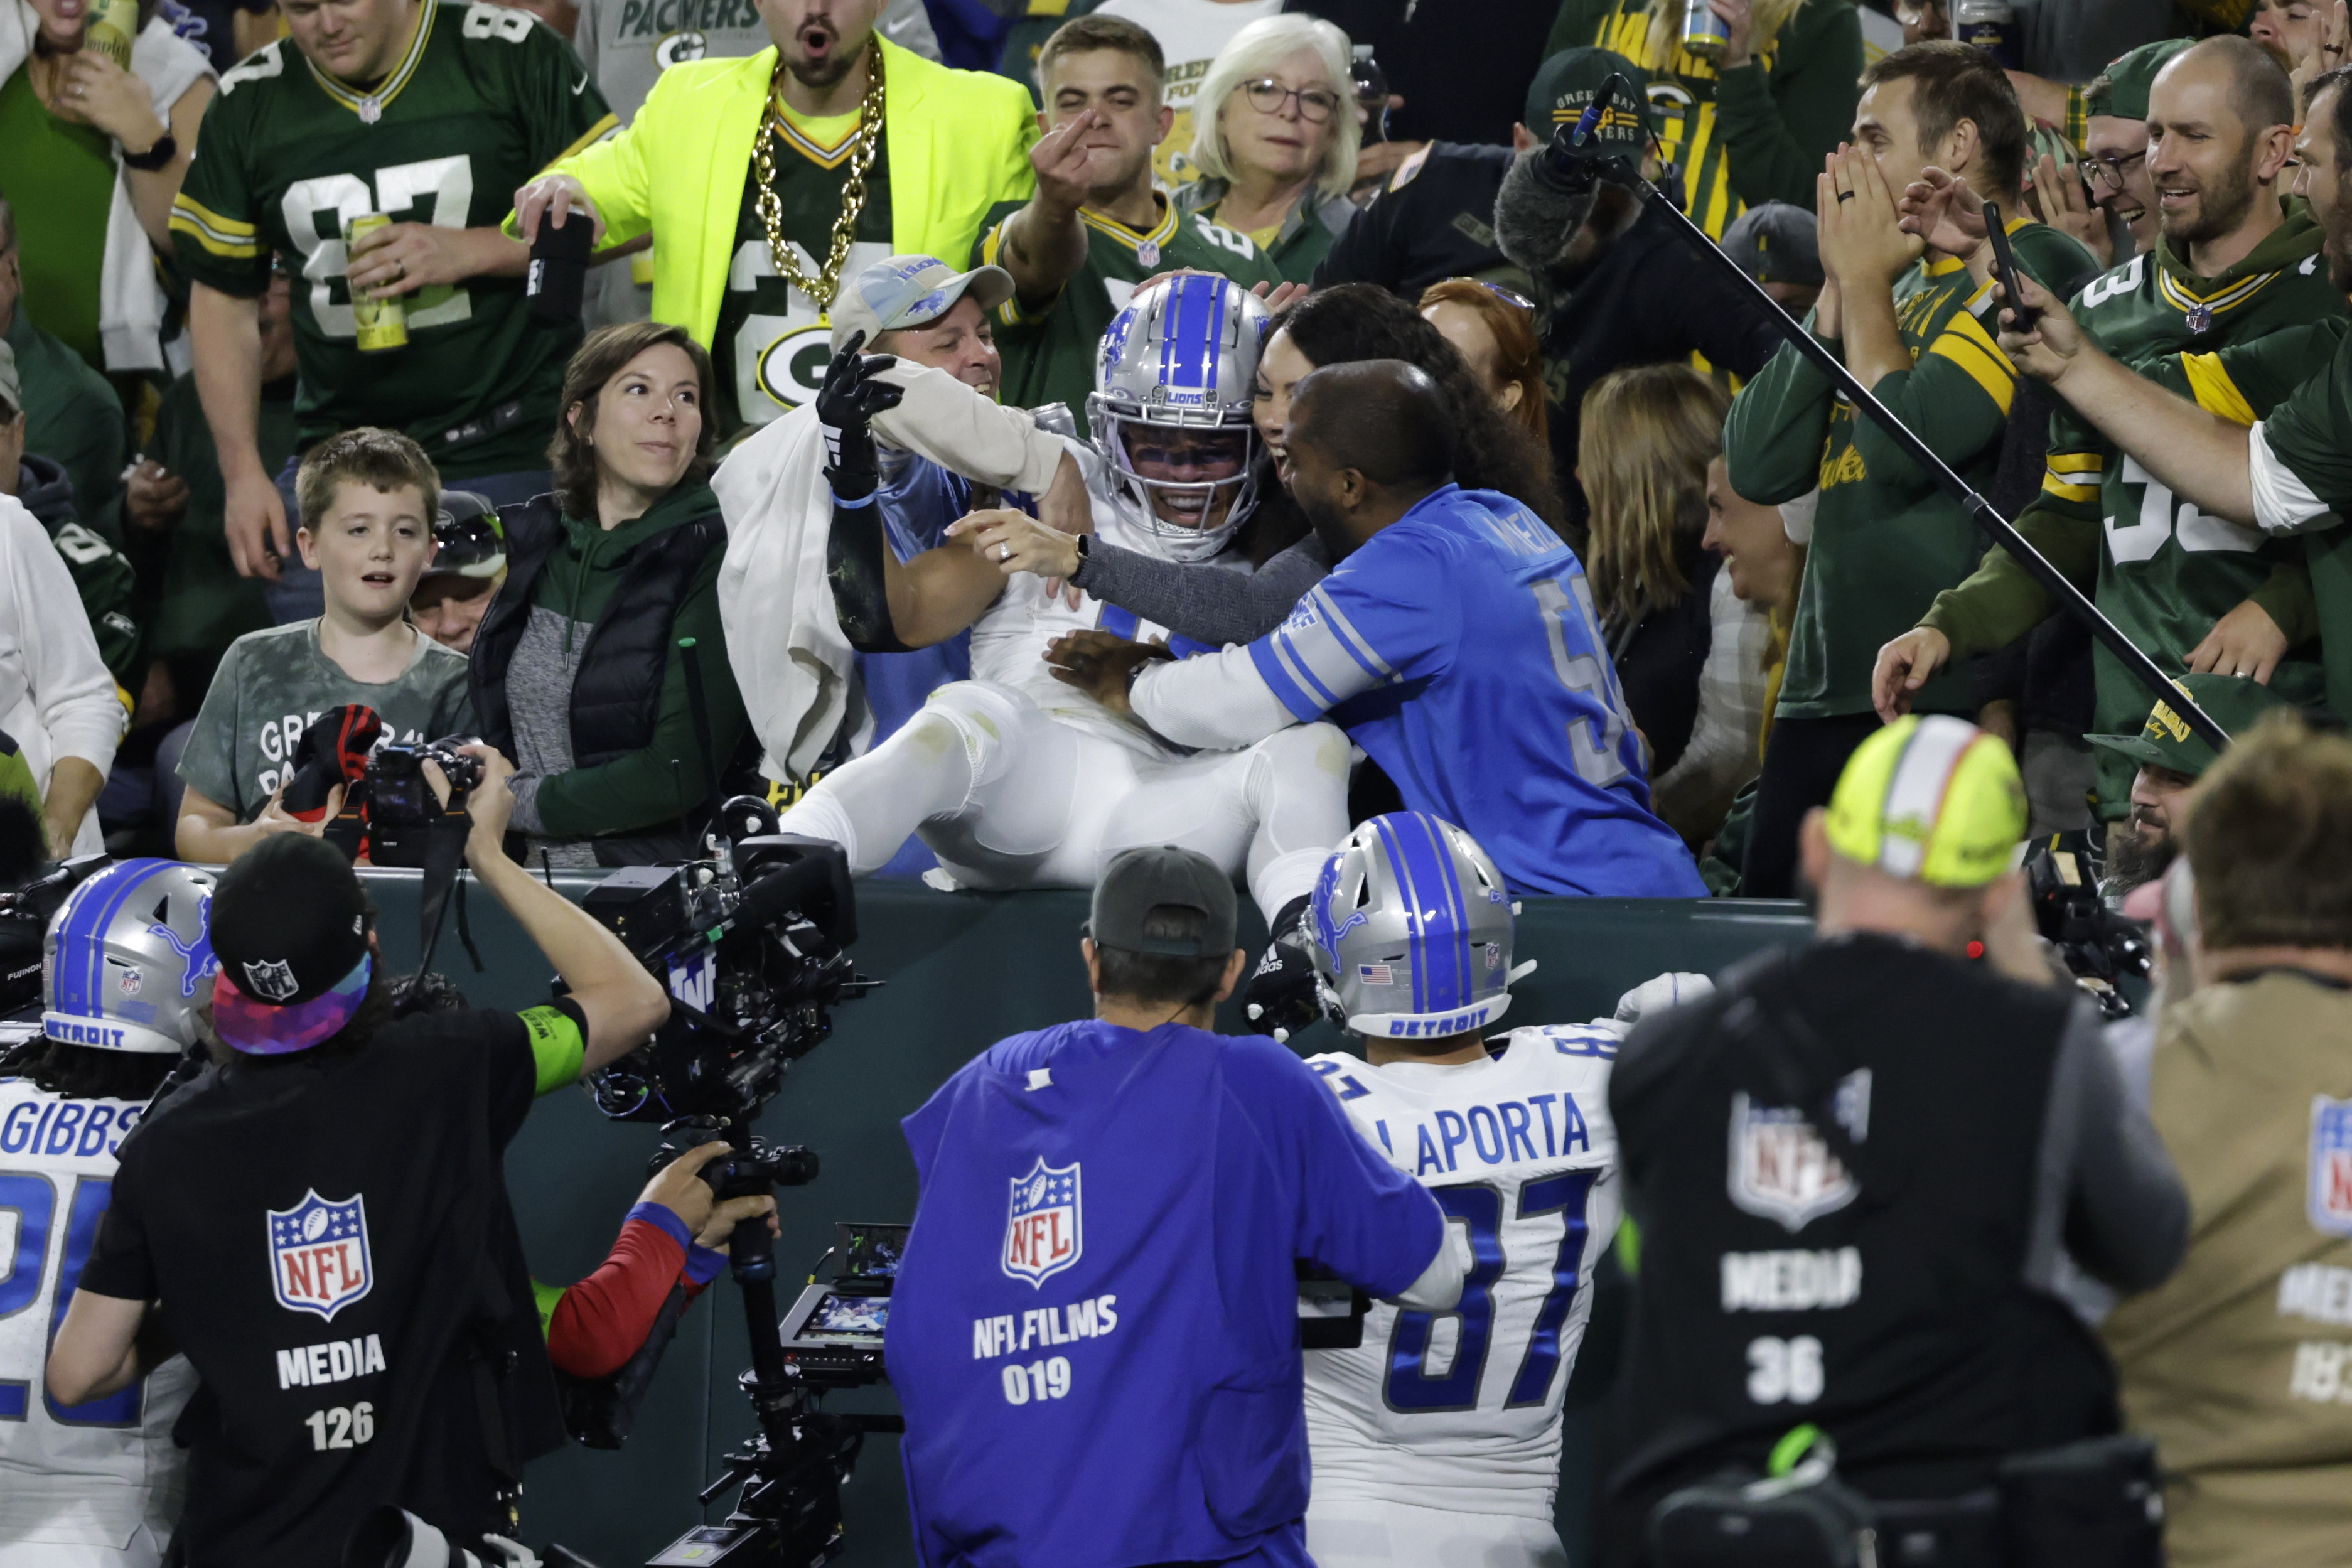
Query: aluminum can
point(383, 324)
point(1704, 33)
point(1990, 26)
point(112, 24)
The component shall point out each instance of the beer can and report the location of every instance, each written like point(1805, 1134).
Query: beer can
point(1704, 33)
point(112, 24)
point(381, 323)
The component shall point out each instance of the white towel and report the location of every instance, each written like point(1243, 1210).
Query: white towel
point(131, 300)
point(791, 663)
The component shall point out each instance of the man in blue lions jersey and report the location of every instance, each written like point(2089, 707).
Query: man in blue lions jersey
point(1455, 642)
point(1437, 1440)
point(1094, 1333)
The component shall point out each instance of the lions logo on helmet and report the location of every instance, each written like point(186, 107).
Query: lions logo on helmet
point(129, 958)
point(1412, 930)
point(1172, 396)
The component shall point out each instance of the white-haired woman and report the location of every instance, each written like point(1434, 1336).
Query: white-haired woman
point(1275, 137)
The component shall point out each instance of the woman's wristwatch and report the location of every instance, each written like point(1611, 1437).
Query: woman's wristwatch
point(1084, 539)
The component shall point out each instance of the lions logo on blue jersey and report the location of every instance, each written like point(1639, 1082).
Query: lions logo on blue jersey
point(1042, 1231)
point(319, 1255)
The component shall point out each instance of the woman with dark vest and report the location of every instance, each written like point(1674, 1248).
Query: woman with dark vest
point(578, 672)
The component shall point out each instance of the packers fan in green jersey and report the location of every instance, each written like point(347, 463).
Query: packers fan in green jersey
point(431, 113)
point(1096, 227)
point(2265, 437)
point(2233, 264)
point(1914, 327)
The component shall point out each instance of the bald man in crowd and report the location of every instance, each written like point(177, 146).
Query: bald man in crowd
point(1455, 641)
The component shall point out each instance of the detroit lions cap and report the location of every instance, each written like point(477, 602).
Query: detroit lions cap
point(289, 928)
point(2166, 741)
point(1139, 881)
point(1566, 85)
point(904, 292)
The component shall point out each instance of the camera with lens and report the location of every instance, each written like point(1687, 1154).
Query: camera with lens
point(2102, 947)
point(399, 804)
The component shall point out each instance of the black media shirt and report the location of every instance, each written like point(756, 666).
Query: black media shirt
point(1434, 220)
point(334, 1248)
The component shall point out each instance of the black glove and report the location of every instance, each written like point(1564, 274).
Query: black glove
point(1280, 996)
point(847, 400)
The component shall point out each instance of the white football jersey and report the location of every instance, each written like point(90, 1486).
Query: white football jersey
point(1009, 640)
point(91, 1475)
point(1461, 1410)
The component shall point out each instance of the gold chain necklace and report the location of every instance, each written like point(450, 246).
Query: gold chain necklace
point(826, 283)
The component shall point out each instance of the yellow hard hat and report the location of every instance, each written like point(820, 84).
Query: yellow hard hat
point(1932, 798)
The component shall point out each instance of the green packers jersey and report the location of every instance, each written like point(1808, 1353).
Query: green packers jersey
point(774, 341)
point(1049, 350)
point(2166, 570)
point(1887, 540)
point(482, 100)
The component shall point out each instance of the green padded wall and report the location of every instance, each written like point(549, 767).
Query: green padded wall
point(961, 972)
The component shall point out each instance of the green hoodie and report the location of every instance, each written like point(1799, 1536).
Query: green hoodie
point(2158, 568)
point(641, 789)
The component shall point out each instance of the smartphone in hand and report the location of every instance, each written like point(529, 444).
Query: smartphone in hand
point(2004, 268)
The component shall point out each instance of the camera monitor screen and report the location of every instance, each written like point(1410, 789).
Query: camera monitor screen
point(871, 1251)
point(839, 1317)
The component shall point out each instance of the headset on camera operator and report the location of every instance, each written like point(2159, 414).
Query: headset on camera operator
point(325, 1213)
point(99, 1484)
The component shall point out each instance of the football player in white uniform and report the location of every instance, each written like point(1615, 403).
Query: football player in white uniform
point(1013, 779)
point(1436, 1443)
point(128, 961)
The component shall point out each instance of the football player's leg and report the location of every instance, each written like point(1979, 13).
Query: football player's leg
point(1034, 819)
point(1295, 789)
point(1348, 1533)
point(966, 737)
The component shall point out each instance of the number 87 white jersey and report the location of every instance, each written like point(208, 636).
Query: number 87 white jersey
point(1461, 1410)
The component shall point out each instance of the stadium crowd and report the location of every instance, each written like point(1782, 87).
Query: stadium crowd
point(1223, 439)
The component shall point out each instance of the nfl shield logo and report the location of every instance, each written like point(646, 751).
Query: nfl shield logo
point(1780, 1168)
point(2331, 1164)
point(319, 1255)
point(1040, 1230)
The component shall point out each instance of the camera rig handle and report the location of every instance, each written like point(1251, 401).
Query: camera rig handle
point(1572, 159)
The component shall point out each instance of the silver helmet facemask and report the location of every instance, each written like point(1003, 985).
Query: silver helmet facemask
point(1181, 357)
point(128, 963)
point(1412, 931)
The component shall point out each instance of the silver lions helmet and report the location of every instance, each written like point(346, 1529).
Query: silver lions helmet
point(1412, 930)
point(1171, 409)
point(129, 958)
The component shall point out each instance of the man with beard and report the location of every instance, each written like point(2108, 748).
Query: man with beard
point(845, 149)
point(2235, 263)
point(2170, 759)
point(2260, 432)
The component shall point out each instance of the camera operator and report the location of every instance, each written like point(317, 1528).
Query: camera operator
point(2170, 759)
point(1910, 1136)
point(1132, 1328)
point(2237, 1364)
point(326, 1213)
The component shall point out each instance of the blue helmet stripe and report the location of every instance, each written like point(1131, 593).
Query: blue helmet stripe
point(94, 906)
point(1403, 866)
point(1446, 940)
point(1190, 309)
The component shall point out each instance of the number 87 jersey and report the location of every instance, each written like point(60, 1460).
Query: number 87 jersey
point(1461, 1410)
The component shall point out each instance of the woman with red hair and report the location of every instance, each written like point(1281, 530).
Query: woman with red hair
point(1494, 329)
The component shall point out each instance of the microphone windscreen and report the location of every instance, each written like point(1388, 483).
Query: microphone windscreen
point(1534, 221)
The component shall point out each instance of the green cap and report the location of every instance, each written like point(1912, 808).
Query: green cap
point(1566, 85)
point(2121, 91)
point(2166, 742)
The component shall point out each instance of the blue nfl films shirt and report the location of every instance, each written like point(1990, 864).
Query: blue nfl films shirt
point(1095, 1331)
point(1460, 649)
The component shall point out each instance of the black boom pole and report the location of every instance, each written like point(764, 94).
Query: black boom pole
point(1987, 516)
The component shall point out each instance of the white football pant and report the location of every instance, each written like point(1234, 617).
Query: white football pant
point(1344, 1532)
point(145, 1550)
point(1007, 797)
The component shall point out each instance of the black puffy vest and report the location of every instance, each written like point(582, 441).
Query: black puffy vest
point(616, 695)
point(1832, 1164)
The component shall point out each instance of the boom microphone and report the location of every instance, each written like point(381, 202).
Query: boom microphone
point(1548, 192)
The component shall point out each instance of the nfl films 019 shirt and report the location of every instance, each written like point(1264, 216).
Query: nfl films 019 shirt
point(1104, 1245)
point(340, 1275)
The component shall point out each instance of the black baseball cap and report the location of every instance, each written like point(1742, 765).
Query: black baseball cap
point(289, 927)
point(1139, 881)
point(1775, 243)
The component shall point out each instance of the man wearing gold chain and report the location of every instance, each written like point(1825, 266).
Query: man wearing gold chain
point(768, 180)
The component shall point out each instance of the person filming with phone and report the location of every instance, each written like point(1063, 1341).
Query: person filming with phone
point(325, 1212)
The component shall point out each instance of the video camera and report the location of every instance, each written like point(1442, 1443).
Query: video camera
point(25, 916)
point(833, 1334)
point(2101, 947)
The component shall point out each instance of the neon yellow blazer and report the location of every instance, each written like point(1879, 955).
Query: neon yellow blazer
point(957, 142)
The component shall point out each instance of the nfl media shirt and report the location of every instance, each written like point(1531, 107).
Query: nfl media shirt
point(335, 1244)
point(1460, 649)
point(1095, 1334)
